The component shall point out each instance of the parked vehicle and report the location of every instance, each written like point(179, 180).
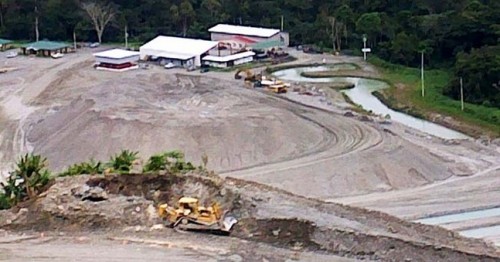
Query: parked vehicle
point(57, 55)
point(204, 70)
point(311, 50)
point(94, 45)
point(169, 65)
point(11, 54)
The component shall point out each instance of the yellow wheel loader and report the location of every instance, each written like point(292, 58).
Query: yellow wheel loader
point(189, 215)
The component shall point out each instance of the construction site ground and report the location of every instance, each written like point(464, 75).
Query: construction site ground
point(69, 112)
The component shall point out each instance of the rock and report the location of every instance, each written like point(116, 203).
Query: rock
point(235, 258)
point(95, 194)
point(157, 227)
point(276, 232)
point(80, 191)
point(348, 114)
point(365, 119)
point(297, 246)
point(137, 209)
point(151, 212)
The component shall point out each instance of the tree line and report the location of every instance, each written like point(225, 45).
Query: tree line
point(459, 34)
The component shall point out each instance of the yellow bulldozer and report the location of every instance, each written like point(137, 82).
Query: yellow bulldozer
point(189, 215)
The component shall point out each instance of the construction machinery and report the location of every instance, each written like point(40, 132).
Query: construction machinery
point(249, 75)
point(273, 85)
point(189, 215)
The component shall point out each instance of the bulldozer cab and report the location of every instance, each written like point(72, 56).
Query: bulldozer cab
point(188, 205)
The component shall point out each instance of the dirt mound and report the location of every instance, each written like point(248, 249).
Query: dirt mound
point(114, 202)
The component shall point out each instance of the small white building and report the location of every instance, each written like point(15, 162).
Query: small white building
point(179, 51)
point(237, 37)
point(116, 60)
point(228, 61)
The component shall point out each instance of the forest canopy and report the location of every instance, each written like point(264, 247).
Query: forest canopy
point(459, 34)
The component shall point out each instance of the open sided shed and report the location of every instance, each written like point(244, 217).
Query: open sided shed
point(230, 60)
point(116, 60)
point(44, 48)
point(5, 44)
point(177, 50)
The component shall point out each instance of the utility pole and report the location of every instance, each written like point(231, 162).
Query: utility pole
point(462, 93)
point(74, 39)
point(422, 75)
point(37, 33)
point(282, 23)
point(126, 37)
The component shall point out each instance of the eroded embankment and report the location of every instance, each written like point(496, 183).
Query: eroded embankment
point(112, 202)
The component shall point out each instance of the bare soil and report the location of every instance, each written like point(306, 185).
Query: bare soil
point(266, 216)
point(306, 145)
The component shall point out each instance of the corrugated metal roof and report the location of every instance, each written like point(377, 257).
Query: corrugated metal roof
point(45, 45)
point(116, 54)
point(243, 30)
point(178, 45)
point(228, 57)
point(4, 41)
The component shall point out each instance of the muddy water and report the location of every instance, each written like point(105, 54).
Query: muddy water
point(361, 94)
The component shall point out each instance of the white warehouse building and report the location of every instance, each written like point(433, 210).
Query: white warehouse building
point(237, 36)
point(179, 51)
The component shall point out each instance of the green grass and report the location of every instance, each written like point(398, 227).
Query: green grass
point(486, 118)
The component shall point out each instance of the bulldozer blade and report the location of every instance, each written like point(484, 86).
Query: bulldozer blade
point(228, 223)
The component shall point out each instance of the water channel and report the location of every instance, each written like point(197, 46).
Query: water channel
point(362, 95)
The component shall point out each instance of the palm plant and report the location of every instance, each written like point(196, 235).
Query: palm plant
point(26, 181)
point(32, 169)
point(123, 161)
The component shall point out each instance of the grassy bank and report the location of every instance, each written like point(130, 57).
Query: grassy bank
point(405, 95)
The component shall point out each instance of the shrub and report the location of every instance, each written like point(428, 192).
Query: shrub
point(171, 161)
point(123, 161)
point(26, 182)
point(88, 168)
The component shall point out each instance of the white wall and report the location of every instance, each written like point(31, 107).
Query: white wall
point(132, 59)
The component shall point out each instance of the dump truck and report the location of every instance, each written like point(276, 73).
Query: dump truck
point(189, 215)
point(273, 85)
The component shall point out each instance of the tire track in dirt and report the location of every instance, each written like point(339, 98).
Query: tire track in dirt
point(349, 136)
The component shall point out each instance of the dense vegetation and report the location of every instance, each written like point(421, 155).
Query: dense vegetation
point(31, 175)
point(465, 31)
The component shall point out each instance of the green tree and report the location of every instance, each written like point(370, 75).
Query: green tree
point(187, 14)
point(371, 25)
point(480, 71)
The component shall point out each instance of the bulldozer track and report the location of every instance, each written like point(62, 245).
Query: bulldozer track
point(340, 141)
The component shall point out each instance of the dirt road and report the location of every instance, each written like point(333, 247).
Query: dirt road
point(127, 247)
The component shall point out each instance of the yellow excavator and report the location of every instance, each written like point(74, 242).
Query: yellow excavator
point(189, 215)
point(249, 75)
